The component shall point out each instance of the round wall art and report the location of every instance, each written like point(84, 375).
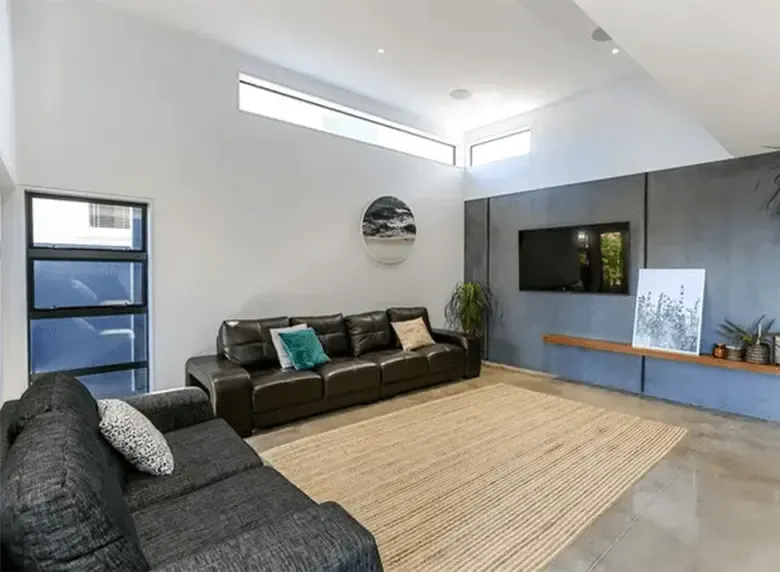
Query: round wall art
point(389, 230)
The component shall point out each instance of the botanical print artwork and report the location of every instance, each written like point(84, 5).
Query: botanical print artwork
point(389, 230)
point(669, 310)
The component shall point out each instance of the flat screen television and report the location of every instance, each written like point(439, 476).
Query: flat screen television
point(586, 258)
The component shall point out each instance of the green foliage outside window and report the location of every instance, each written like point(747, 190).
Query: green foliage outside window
point(612, 259)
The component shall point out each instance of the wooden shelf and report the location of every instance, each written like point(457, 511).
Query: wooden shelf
point(625, 348)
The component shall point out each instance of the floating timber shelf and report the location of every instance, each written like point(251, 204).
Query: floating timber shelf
point(625, 348)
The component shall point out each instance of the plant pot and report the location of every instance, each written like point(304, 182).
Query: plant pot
point(777, 350)
point(735, 353)
point(719, 351)
point(758, 353)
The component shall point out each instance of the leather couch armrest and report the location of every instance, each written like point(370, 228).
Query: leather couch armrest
point(174, 409)
point(472, 346)
point(324, 538)
point(229, 388)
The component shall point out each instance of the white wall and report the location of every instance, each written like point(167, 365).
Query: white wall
point(250, 217)
point(7, 132)
point(629, 126)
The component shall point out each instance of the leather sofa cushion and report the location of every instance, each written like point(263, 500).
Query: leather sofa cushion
point(398, 365)
point(248, 342)
point(410, 313)
point(369, 331)
point(279, 388)
point(331, 331)
point(348, 375)
point(443, 357)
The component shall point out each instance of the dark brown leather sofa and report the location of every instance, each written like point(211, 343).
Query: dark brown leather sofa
point(250, 391)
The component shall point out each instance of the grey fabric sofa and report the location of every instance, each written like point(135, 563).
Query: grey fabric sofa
point(71, 503)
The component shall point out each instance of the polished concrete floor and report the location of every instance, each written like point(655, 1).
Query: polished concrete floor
point(712, 504)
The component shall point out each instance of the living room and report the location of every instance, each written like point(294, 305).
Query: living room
point(239, 212)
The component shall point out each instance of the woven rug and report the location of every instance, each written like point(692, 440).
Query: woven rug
point(498, 478)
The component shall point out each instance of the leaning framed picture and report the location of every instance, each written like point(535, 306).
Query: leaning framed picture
point(669, 306)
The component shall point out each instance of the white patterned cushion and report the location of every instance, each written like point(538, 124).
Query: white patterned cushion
point(132, 434)
point(281, 351)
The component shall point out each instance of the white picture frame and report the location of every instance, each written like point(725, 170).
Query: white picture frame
point(669, 309)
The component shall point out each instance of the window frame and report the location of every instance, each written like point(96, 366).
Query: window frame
point(499, 138)
point(87, 254)
point(335, 108)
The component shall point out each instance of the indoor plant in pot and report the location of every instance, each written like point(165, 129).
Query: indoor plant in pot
point(754, 339)
point(469, 309)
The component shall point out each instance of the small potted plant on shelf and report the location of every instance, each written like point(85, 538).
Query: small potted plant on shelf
point(469, 309)
point(752, 342)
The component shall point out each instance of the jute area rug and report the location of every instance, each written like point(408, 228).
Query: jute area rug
point(498, 478)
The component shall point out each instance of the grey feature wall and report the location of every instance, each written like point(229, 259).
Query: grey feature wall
point(705, 216)
point(709, 216)
point(515, 335)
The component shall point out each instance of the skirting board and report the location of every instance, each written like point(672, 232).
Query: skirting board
point(518, 369)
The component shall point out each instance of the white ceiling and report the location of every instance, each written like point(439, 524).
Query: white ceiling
point(515, 55)
point(720, 59)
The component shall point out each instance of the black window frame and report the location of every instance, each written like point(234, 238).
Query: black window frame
point(87, 254)
point(493, 140)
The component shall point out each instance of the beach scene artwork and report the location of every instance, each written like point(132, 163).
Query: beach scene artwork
point(389, 230)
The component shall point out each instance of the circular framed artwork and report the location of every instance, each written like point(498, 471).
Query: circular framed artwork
point(389, 230)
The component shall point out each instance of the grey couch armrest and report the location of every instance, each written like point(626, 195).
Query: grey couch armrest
point(324, 538)
point(472, 346)
point(174, 409)
point(229, 388)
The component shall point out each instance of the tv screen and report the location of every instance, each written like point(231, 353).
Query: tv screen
point(586, 258)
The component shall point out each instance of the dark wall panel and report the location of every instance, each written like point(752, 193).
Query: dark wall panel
point(714, 388)
point(616, 371)
point(516, 333)
point(476, 243)
point(709, 216)
point(705, 216)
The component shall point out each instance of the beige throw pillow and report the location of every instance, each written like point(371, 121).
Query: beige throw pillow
point(413, 334)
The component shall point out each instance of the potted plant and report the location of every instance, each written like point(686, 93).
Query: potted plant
point(753, 341)
point(469, 309)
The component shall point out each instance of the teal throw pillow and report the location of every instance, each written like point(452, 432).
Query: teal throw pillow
point(304, 348)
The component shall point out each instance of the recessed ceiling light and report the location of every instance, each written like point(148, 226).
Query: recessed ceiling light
point(380, 51)
point(461, 94)
point(616, 51)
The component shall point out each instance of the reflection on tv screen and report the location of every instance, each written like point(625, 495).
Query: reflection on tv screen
point(585, 258)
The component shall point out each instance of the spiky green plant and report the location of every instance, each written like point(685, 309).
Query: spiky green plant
point(755, 334)
point(470, 307)
point(772, 203)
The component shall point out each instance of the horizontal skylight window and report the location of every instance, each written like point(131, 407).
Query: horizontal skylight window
point(512, 145)
point(261, 98)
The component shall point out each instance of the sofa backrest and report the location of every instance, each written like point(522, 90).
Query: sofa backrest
point(62, 500)
point(410, 313)
point(331, 331)
point(7, 414)
point(248, 342)
point(369, 331)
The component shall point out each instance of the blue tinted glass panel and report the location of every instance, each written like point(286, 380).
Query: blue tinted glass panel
point(73, 343)
point(66, 284)
point(117, 384)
